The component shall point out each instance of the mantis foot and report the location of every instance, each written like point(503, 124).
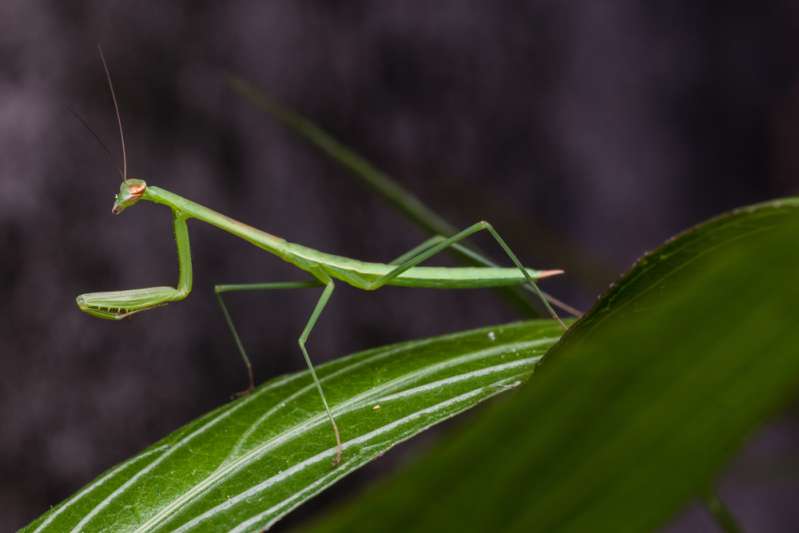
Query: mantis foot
point(242, 393)
point(337, 458)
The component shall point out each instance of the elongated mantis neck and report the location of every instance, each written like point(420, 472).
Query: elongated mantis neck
point(185, 209)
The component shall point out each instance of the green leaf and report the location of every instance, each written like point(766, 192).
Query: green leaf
point(246, 464)
point(639, 407)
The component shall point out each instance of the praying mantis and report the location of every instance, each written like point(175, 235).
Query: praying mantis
point(323, 269)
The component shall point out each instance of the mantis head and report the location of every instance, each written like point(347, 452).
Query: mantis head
point(130, 192)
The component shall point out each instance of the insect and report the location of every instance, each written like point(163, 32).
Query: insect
point(324, 269)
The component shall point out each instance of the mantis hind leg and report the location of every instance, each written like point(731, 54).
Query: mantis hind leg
point(219, 290)
point(437, 244)
point(432, 241)
point(320, 306)
point(482, 260)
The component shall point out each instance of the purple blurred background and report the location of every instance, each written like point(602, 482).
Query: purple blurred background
point(587, 131)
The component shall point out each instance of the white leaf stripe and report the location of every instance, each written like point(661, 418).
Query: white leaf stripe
point(219, 422)
point(325, 456)
point(282, 508)
point(525, 366)
point(99, 482)
point(183, 442)
point(229, 468)
point(311, 388)
point(353, 362)
point(288, 505)
point(203, 429)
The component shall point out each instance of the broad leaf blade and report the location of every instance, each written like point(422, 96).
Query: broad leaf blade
point(250, 462)
point(634, 413)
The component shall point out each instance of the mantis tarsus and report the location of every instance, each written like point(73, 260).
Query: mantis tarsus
point(323, 268)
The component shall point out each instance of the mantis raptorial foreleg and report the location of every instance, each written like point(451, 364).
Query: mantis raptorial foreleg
point(303, 338)
point(421, 253)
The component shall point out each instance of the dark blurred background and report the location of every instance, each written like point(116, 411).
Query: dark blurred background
point(587, 131)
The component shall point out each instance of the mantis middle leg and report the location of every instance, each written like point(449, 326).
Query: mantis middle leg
point(303, 338)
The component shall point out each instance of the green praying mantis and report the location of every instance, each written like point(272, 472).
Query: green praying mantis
point(324, 269)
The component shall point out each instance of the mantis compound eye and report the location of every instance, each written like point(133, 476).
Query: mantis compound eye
point(136, 187)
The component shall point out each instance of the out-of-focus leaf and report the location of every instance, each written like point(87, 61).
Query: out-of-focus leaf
point(377, 180)
point(634, 413)
point(243, 466)
point(384, 186)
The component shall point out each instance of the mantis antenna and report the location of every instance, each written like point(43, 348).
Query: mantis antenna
point(96, 138)
point(116, 110)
